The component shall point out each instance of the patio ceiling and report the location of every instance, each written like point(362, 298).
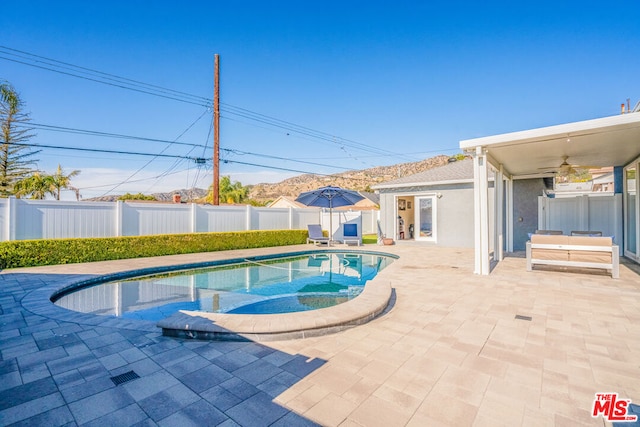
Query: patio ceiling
point(608, 141)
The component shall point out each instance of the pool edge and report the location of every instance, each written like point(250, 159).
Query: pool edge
point(39, 301)
point(372, 302)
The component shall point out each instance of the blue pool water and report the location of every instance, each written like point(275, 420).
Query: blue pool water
point(282, 285)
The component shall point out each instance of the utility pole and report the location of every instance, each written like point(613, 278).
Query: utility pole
point(216, 130)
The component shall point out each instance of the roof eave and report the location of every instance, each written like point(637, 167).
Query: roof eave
point(422, 184)
point(551, 132)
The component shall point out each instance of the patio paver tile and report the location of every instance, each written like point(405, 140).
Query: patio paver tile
point(148, 385)
point(98, 405)
point(129, 415)
point(376, 411)
point(330, 411)
point(168, 401)
point(31, 408)
point(450, 337)
point(257, 410)
point(197, 414)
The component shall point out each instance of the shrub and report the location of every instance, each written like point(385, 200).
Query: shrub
point(31, 253)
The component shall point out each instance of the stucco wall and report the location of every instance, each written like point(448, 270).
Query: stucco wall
point(525, 209)
point(454, 212)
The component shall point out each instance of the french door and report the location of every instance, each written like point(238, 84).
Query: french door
point(425, 218)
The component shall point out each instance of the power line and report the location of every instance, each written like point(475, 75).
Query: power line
point(122, 86)
point(242, 112)
point(273, 167)
point(139, 138)
point(90, 71)
point(137, 180)
point(103, 134)
point(289, 170)
point(50, 64)
point(161, 153)
point(98, 150)
point(267, 156)
point(198, 160)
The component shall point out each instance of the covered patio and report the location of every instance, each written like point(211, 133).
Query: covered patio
point(609, 141)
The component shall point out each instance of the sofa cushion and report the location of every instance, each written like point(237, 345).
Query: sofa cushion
point(550, 254)
point(590, 241)
point(589, 256)
point(550, 239)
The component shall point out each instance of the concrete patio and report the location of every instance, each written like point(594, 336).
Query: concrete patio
point(449, 351)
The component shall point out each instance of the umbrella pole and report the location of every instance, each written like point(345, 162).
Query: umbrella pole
point(330, 222)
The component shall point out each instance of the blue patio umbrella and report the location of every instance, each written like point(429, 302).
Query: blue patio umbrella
point(329, 197)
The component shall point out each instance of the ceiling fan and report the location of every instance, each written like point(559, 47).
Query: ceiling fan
point(566, 168)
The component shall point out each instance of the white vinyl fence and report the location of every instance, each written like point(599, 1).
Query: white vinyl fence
point(582, 213)
point(47, 219)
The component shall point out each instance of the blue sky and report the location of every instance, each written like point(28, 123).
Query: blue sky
point(385, 82)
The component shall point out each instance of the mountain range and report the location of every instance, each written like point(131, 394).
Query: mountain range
point(360, 180)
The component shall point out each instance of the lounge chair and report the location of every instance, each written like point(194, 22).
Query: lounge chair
point(587, 233)
point(315, 234)
point(549, 232)
point(350, 234)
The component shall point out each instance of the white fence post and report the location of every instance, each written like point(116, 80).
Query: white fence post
point(290, 218)
point(543, 210)
point(194, 218)
point(10, 230)
point(583, 212)
point(248, 218)
point(118, 221)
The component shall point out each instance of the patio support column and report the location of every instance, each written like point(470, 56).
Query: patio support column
point(498, 229)
point(481, 211)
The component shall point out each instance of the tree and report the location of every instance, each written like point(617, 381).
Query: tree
point(15, 156)
point(34, 186)
point(138, 196)
point(232, 192)
point(39, 185)
point(60, 182)
point(229, 192)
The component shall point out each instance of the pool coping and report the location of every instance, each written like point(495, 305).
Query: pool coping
point(371, 302)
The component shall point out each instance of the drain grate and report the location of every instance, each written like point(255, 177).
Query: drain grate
point(123, 378)
point(521, 317)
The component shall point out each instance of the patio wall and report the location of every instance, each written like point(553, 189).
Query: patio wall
point(49, 219)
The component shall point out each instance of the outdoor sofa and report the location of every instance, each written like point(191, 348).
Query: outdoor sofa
point(581, 251)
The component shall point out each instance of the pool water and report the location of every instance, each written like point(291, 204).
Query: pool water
point(282, 285)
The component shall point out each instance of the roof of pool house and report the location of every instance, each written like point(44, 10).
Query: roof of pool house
point(453, 172)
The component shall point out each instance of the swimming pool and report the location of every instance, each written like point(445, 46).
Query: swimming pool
point(255, 286)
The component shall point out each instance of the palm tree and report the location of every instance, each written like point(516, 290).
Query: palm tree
point(228, 192)
point(39, 185)
point(232, 192)
point(60, 182)
point(35, 186)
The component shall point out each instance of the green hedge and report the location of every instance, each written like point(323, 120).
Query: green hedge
point(31, 253)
